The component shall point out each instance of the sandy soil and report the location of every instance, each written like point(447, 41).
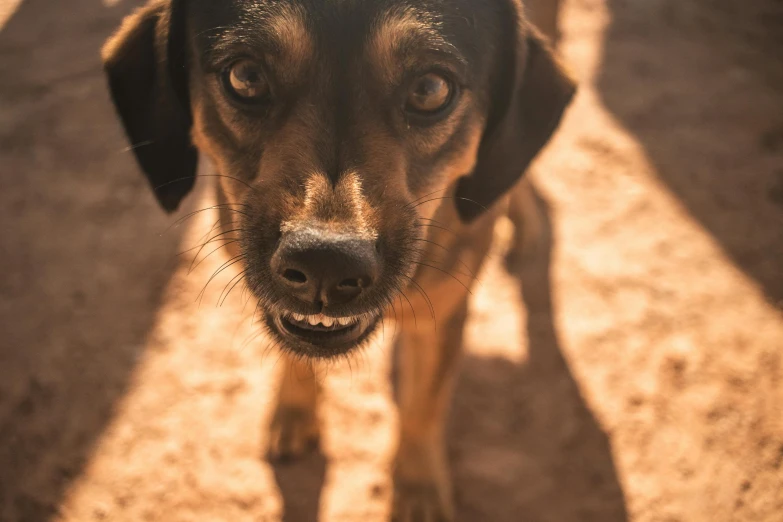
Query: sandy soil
point(633, 371)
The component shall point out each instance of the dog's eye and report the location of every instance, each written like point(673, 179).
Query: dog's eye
point(429, 94)
point(245, 81)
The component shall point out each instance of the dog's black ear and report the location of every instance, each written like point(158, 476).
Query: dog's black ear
point(530, 94)
point(147, 73)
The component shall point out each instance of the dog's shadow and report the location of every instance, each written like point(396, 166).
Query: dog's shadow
point(523, 443)
point(83, 267)
point(300, 483)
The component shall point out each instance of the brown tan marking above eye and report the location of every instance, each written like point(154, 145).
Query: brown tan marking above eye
point(429, 94)
point(395, 31)
point(289, 26)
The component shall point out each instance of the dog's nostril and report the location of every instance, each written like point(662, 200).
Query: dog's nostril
point(349, 283)
point(295, 276)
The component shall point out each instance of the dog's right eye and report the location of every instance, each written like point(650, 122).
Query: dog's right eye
point(429, 94)
point(246, 82)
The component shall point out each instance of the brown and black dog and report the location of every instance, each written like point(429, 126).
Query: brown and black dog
point(350, 141)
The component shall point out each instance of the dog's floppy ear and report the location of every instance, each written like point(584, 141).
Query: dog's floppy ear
point(145, 65)
point(529, 97)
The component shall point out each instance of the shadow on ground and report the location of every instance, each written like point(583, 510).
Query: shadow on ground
point(301, 483)
point(543, 455)
point(673, 74)
point(83, 266)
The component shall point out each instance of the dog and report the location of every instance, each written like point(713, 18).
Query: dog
point(352, 142)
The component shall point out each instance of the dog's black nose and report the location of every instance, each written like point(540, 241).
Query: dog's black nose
point(322, 266)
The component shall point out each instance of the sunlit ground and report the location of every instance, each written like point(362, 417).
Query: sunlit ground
point(638, 377)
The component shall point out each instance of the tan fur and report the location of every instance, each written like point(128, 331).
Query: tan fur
point(206, 145)
point(465, 160)
point(289, 27)
point(295, 424)
point(429, 354)
point(395, 29)
point(343, 205)
point(392, 31)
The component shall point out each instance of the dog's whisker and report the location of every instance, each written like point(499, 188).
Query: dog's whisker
point(215, 225)
point(242, 293)
point(280, 356)
point(190, 178)
point(390, 301)
point(483, 207)
point(458, 198)
point(447, 273)
point(136, 146)
point(253, 336)
point(423, 225)
point(234, 260)
point(449, 252)
point(431, 200)
point(422, 258)
point(219, 206)
point(192, 263)
point(213, 240)
point(191, 270)
point(184, 218)
point(424, 294)
point(253, 318)
point(227, 241)
point(237, 277)
point(422, 218)
point(402, 312)
point(408, 205)
point(257, 333)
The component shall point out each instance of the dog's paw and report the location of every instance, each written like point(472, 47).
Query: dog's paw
point(293, 433)
point(416, 501)
point(422, 486)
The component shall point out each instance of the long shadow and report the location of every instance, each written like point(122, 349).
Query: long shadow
point(301, 483)
point(82, 265)
point(524, 445)
point(699, 85)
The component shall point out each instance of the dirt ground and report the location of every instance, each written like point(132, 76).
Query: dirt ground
point(633, 371)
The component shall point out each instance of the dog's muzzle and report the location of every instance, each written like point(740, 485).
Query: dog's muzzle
point(325, 276)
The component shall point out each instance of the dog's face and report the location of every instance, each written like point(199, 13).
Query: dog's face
point(330, 123)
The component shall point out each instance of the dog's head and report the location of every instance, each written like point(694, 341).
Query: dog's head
point(329, 122)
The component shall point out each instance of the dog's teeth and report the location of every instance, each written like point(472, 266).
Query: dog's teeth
point(323, 320)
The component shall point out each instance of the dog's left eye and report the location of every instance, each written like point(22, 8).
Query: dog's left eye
point(245, 81)
point(429, 94)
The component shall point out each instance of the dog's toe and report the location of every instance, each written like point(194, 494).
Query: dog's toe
point(294, 432)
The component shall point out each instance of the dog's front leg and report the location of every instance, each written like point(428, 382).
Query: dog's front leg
point(294, 429)
point(527, 218)
point(427, 371)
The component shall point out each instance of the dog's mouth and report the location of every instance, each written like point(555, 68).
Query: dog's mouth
point(320, 335)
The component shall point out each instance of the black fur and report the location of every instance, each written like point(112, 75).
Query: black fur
point(528, 103)
point(148, 83)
